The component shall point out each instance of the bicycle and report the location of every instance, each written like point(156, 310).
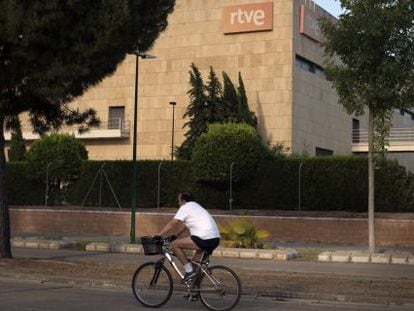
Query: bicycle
point(217, 287)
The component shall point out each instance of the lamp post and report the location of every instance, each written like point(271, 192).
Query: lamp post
point(172, 131)
point(47, 183)
point(134, 146)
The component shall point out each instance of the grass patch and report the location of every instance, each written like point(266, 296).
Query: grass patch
point(52, 238)
point(80, 245)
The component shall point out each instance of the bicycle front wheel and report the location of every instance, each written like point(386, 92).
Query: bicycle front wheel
point(220, 289)
point(152, 284)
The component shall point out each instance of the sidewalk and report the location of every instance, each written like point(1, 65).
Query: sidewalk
point(121, 245)
point(281, 251)
point(282, 279)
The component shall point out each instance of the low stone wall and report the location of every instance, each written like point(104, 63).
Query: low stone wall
point(330, 230)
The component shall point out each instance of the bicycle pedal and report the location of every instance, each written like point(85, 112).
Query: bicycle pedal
point(188, 277)
point(191, 298)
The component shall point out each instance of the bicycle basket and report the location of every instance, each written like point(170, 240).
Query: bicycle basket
point(151, 245)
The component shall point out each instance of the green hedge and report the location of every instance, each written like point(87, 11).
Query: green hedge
point(119, 174)
point(21, 188)
point(327, 184)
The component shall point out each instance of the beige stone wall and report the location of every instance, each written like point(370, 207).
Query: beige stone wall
point(194, 35)
point(265, 60)
point(293, 106)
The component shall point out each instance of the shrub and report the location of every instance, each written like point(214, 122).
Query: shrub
point(63, 151)
point(223, 144)
point(58, 155)
point(243, 234)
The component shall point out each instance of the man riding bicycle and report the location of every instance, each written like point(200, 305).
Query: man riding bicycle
point(204, 234)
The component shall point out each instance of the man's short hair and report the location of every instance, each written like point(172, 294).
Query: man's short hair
point(186, 196)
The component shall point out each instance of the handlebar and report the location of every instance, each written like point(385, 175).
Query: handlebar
point(165, 240)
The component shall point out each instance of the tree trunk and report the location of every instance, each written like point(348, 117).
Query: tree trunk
point(371, 186)
point(5, 250)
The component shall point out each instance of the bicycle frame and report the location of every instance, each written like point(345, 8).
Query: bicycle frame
point(169, 256)
point(210, 284)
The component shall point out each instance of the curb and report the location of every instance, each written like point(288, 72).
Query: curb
point(281, 255)
point(387, 257)
point(40, 243)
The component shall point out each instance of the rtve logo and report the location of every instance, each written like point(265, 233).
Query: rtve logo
point(247, 17)
point(241, 17)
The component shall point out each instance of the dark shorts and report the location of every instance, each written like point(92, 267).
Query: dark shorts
point(208, 245)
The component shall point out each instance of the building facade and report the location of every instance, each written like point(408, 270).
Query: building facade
point(275, 45)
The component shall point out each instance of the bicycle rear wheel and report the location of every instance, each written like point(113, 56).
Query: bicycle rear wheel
point(220, 289)
point(152, 284)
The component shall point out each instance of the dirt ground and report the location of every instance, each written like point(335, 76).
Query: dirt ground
point(280, 285)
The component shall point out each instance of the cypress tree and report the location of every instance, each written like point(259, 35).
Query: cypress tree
point(196, 112)
point(230, 100)
point(214, 99)
point(245, 115)
point(213, 103)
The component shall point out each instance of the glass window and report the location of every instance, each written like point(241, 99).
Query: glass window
point(116, 117)
point(321, 152)
point(355, 131)
point(309, 66)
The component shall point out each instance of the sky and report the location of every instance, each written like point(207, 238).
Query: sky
point(332, 6)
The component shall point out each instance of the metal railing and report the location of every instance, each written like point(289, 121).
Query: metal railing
point(112, 124)
point(118, 123)
point(360, 136)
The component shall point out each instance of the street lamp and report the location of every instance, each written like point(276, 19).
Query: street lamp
point(134, 147)
point(172, 132)
point(47, 182)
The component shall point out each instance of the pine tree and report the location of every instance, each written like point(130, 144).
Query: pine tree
point(17, 149)
point(52, 51)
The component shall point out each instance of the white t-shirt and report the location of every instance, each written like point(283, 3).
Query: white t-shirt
point(198, 221)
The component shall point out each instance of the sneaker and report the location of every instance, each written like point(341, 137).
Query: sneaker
point(188, 276)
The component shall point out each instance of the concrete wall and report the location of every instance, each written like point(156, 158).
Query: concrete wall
point(318, 120)
point(284, 229)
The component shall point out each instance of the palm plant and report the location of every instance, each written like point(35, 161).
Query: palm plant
point(243, 234)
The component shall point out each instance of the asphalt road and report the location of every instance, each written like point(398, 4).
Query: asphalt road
point(379, 284)
point(19, 295)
